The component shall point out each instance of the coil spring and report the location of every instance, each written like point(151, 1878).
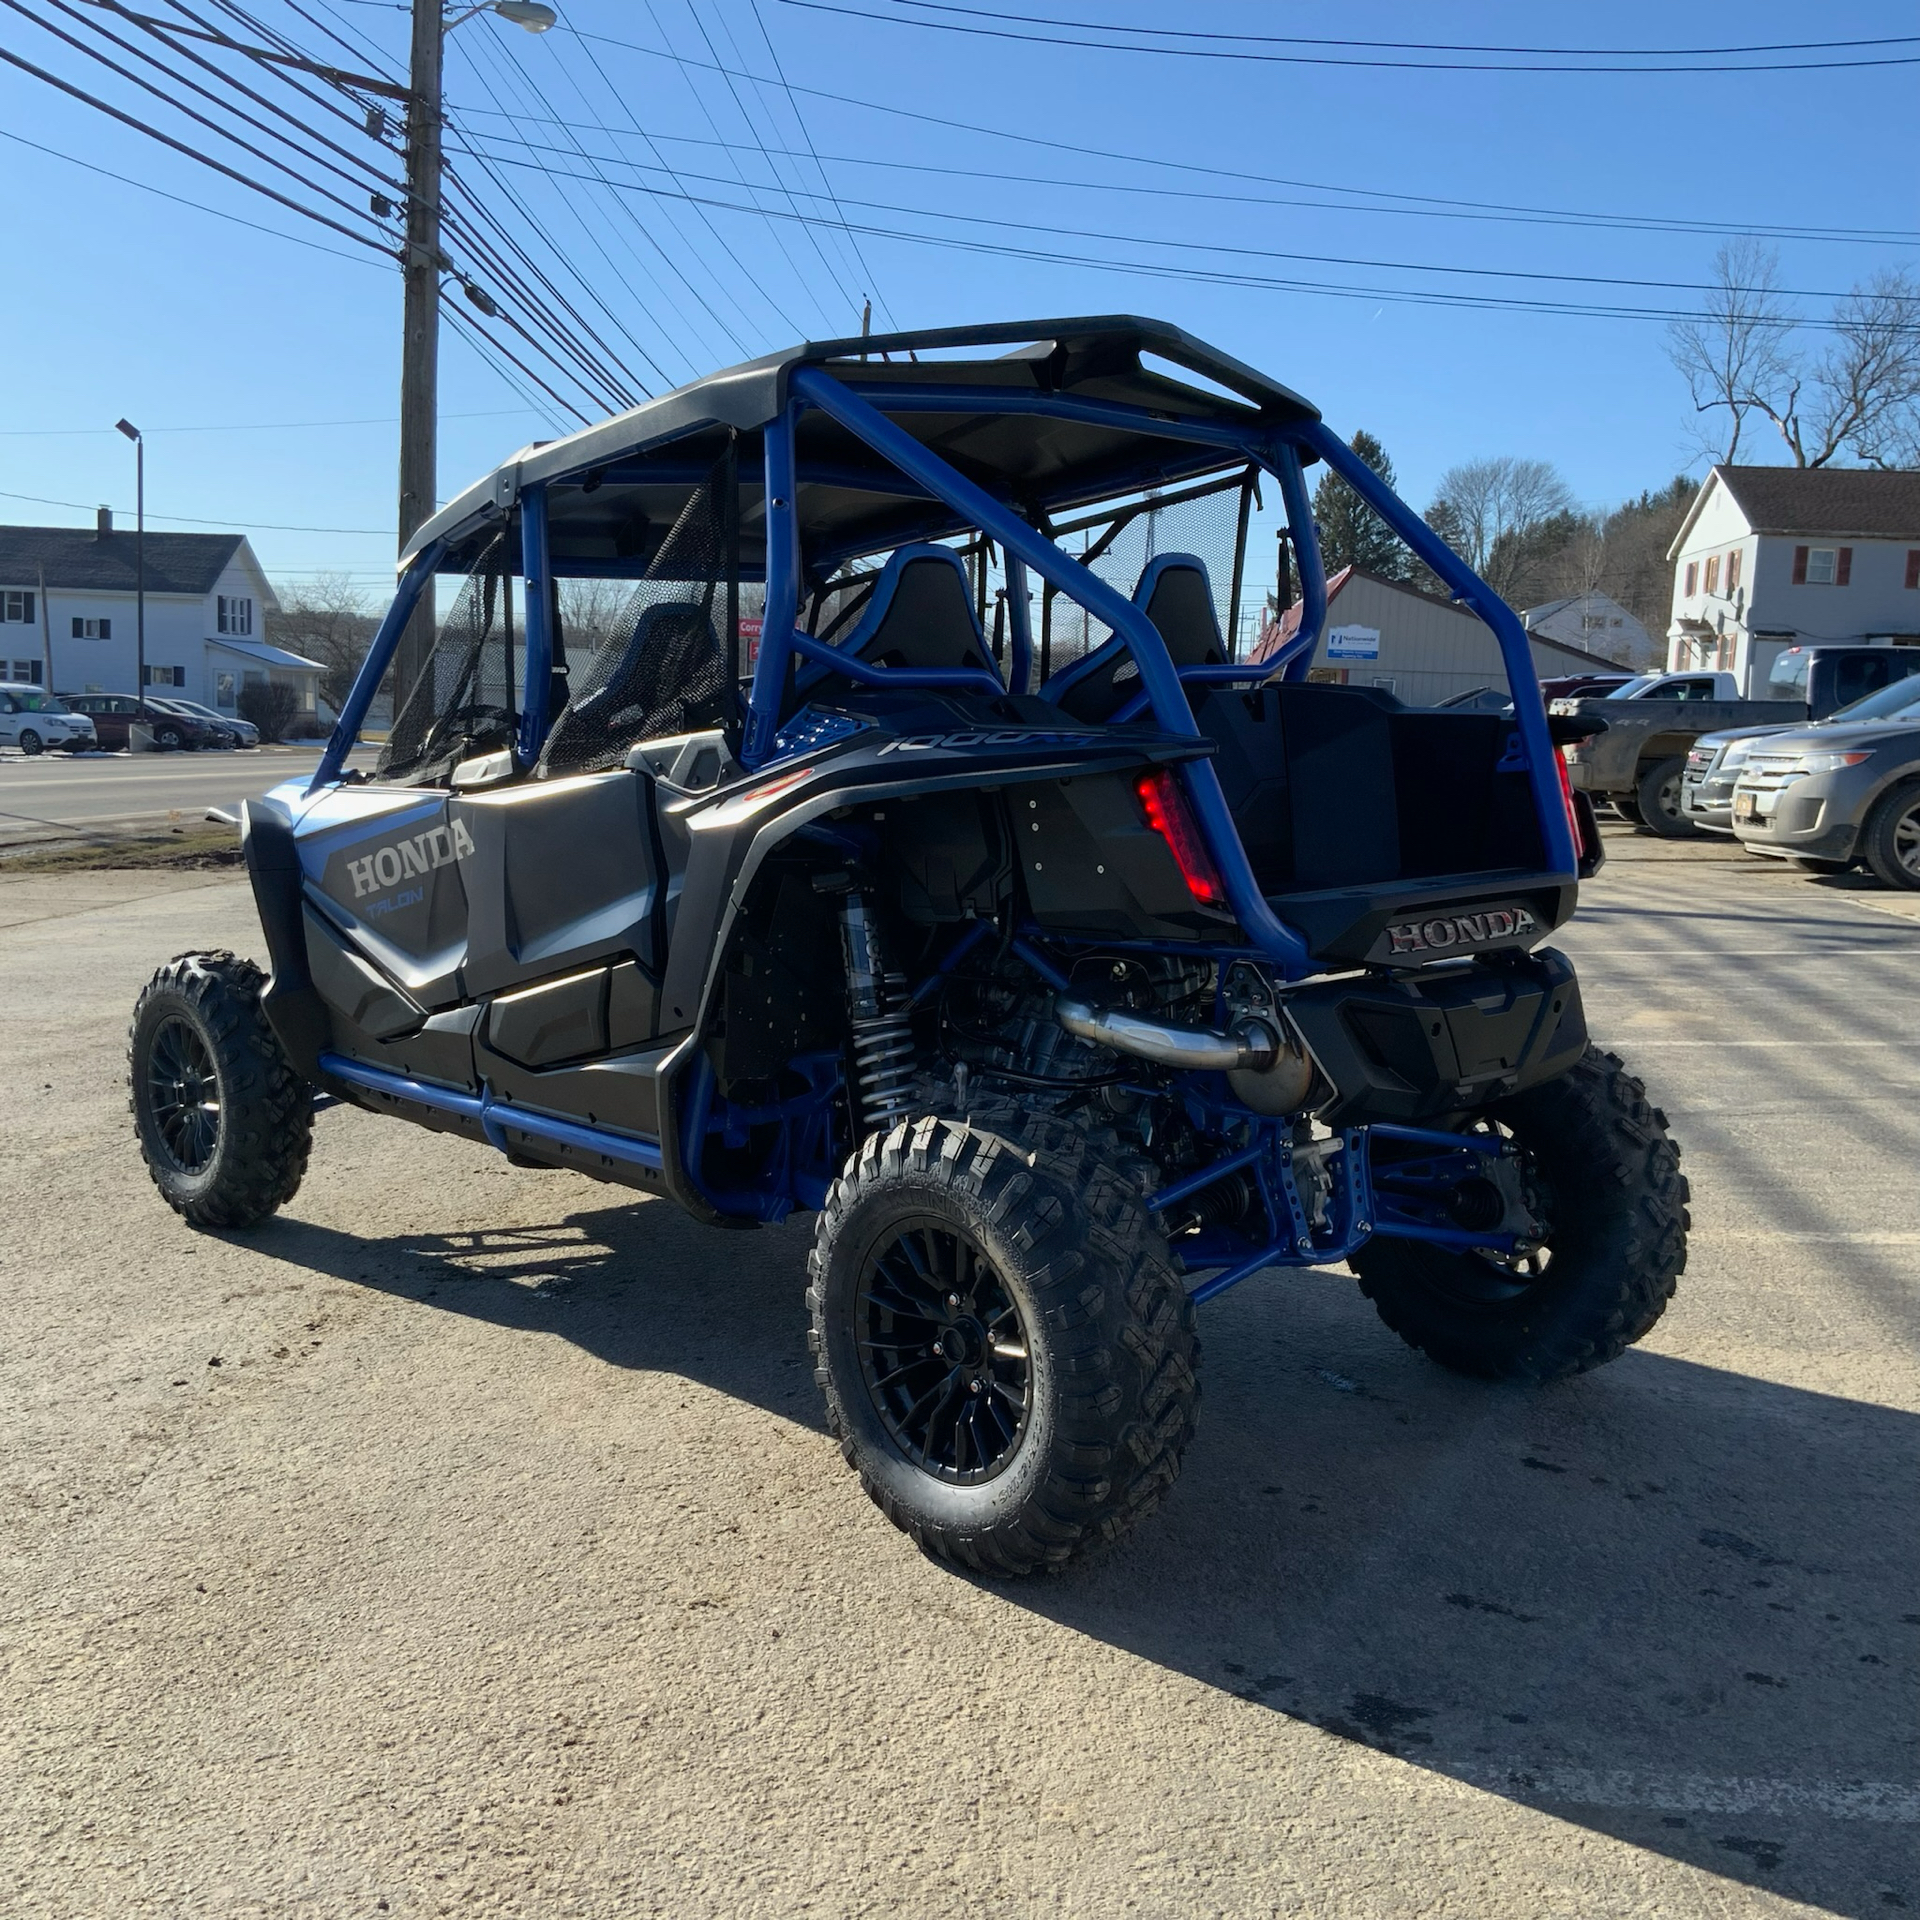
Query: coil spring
point(883, 1060)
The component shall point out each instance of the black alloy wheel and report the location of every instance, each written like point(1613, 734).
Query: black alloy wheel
point(183, 1095)
point(943, 1350)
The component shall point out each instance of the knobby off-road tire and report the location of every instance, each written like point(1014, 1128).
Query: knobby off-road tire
point(1891, 842)
point(223, 1120)
point(1038, 1245)
point(1658, 795)
point(1608, 1177)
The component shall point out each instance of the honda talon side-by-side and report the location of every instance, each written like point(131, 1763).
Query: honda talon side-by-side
point(839, 785)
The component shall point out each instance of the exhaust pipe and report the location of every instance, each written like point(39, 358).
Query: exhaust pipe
point(1252, 1044)
point(1268, 1070)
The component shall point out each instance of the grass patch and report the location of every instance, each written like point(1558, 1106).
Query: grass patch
point(191, 850)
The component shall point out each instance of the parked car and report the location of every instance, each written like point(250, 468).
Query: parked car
point(115, 715)
point(1715, 760)
point(1830, 795)
point(245, 733)
point(33, 720)
point(1640, 761)
point(226, 733)
point(1583, 686)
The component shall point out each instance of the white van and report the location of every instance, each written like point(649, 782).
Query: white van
point(33, 720)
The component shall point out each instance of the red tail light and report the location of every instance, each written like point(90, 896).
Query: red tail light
point(1582, 851)
point(1172, 819)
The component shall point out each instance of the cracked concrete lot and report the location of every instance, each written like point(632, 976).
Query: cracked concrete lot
point(466, 1539)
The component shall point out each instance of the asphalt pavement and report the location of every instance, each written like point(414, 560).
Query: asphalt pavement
point(56, 796)
point(466, 1539)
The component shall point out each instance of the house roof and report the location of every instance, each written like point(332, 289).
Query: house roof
point(268, 656)
point(77, 559)
point(1862, 503)
point(1548, 608)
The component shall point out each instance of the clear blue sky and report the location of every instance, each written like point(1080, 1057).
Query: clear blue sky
point(208, 333)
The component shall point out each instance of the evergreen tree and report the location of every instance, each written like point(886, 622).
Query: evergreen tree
point(1351, 533)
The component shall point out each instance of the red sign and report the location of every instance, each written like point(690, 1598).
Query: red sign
point(749, 628)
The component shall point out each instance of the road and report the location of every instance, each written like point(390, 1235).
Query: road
point(466, 1539)
point(57, 796)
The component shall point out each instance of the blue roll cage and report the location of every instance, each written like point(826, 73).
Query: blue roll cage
point(865, 412)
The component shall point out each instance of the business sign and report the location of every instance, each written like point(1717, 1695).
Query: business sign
point(749, 631)
point(1353, 643)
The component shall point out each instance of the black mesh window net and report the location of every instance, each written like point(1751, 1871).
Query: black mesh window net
point(1117, 545)
point(463, 702)
point(661, 665)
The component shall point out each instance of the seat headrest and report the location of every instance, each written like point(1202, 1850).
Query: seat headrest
point(921, 614)
point(1176, 595)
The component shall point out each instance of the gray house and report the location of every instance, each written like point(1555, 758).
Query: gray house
point(67, 596)
point(1414, 645)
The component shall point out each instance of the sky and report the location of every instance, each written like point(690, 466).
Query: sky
point(262, 360)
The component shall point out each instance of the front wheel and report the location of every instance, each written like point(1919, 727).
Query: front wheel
point(29, 742)
point(1891, 842)
point(1659, 794)
point(1604, 1176)
point(1006, 1351)
point(224, 1121)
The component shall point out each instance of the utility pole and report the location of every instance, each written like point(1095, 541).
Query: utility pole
point(420, 317)
point(139, 556)
point(420, 324)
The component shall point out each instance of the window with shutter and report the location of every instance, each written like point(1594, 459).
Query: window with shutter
point(1713, 573)
point(1843, 567)
point(1799, 566)
point(1693, 578)
point(1733, 569)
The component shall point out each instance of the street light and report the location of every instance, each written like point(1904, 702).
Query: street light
point(139, 556)
point(523, 13)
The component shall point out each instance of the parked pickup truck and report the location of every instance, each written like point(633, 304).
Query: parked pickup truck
point(1640, 761)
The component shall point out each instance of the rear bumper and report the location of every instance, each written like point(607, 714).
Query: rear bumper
point(1407, 923)
point(1415, 1046)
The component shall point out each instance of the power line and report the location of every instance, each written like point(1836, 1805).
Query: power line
point(1414, 46)
point(806, 133)
point(182, 520)
point(180, 146)
point(1415, 200)
point(199, 206)
point(1327, 59)
point(1265, 253)
point(1480, 212)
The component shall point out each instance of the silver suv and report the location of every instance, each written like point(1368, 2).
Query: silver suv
point(1832, 794)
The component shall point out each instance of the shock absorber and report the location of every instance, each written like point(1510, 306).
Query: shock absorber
point(877, 1010)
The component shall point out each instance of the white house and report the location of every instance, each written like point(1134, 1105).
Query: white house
point(1771, 556)
point(1596, 623)
point(70, 592)
point(1421, 649)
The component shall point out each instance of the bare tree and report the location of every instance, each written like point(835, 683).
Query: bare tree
point(1487, 509)
point(330, 620)
point(1862, 395)
point(1736, 351)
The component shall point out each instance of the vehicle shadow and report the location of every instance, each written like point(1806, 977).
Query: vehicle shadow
point(1665, 1602)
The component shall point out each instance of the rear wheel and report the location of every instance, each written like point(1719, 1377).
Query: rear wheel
point(1605, 1177)
point(1007, 1354)
point(224, 1121)
point(1658, 794)
point(1891, 842)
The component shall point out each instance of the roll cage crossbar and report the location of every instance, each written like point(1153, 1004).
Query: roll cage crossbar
point(865, 407)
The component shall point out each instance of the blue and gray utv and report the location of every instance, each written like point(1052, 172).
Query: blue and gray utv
point(842, 785)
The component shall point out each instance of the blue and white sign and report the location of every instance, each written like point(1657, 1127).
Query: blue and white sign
point(1353, 643)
